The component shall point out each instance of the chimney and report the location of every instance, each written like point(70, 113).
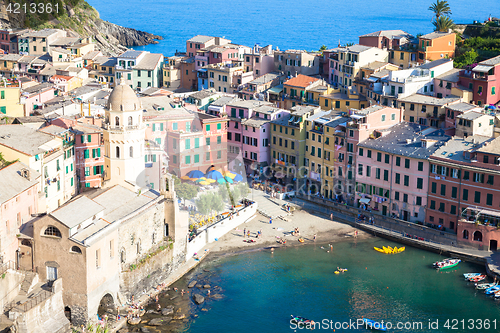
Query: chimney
point(26, 174)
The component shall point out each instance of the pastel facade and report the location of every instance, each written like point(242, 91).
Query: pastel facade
point(484, 81)
point(436, 45)
point(10, 98)
point(260, 60)
point(295, 62)
point(89, 156)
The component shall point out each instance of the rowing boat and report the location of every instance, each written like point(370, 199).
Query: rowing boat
point(492, 290)
point(484, 286)
point(469, 275)
point(478, 278)
point(447, 263)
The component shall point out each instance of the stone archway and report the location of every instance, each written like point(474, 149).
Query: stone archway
point(106, 306)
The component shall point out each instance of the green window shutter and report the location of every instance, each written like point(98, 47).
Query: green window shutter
point(197, 142)
point(146, 158)
point(71, 181)
point(71, 166)
point(2, 94)
point(154, 158)
point(188, 159)
point(154, 127)
point(95, 170)
point(83, 138)
point(67, 169)
point(86, 153)
point(93, 153)
point(161, 126)
point(89, 138)
point(98, 152)
point(3, 109)
point(196, 158)
point(207, 128)
point(219, 125)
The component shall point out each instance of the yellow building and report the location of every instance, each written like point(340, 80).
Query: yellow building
point(8, 63)
point(342, 102)
point(103, 70)
point(405, 59)
point(171, 71)
point(10, 93)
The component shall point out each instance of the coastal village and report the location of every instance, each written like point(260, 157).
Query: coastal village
point(98, 152)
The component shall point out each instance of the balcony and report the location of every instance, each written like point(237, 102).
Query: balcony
point(118, 67)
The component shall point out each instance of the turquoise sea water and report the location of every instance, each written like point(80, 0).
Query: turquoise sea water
point(262, 289)
point(290, 24)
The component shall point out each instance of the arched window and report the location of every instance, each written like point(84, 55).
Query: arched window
point(117, 121)
point(131, 151)
point(76, 249)
point(478, 236)
point(130, 121)
point(117, 152)
point(466, 234)
point(52, 231)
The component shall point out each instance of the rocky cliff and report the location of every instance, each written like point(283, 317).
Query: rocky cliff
point(79, 19)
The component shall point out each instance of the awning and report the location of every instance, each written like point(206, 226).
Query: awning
point(482, 68)
point(357, 116)
point(372, 79)
point(364, 200)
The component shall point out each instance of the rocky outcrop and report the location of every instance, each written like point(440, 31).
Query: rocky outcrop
point(198, 299)
point(81, 20)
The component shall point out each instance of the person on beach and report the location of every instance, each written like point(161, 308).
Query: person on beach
point(355, 234)
point(244, 232)
point(314, 237)
point(208, 292)
point(270, 220)
point(182, 292)
point(331, 216)
point(248, 233)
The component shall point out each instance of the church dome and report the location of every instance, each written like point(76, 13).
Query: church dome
point(123, 98)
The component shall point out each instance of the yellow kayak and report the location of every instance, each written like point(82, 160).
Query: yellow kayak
point(401, 249)
point(337, 272)
point(379, 250)
point(389, 249)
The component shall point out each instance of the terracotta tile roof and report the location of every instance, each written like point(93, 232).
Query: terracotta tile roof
point(300, 80)
point(62, 77)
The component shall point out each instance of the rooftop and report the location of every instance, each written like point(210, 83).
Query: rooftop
point(13, 182)
point(387, 33)
point(82, 128)
point(268, 109)
point(450, 76)
point(337, 120)
point(131, 54)
point(301, 81)
point(370, 109)
point(454, 148)
point(434, 63)
point(202, 94)
point(200, 39)
point(77, 211)
point(90, 55)
point(425, 99)
point(472, 115)
point(254, 122)
point(224, 100)
point(38, 88)
point(149, 62)
point(492, 147)
point(161, 106)
point(61, 50)
point(24, 139)
point(356, 48)
point(300, 110)
point(265, 78)
point(11, 57)
point(405, 139)
point(376, 65)
point(435, 34)
point(247, 104)
point(65, 41)
point(41, 33)
point(462, 107)
point(54, 130)
point(491, 62)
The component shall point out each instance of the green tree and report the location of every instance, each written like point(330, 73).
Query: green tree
point(323, 47)
point(443, 24)
point(217, 203)
point(203, 204)
point(223, 192)
point(465, 59)
point(440, 8)
point(186, 191)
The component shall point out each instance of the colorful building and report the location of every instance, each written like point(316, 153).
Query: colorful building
point(436, 45)
point(10, 99)
point(297, 62)
point(392, 171)
point(484, 81)
point(89, 156)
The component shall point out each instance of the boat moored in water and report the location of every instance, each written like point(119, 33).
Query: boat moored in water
point(447, 263)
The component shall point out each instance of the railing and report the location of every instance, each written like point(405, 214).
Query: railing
point(6, 266)
point(34, 301)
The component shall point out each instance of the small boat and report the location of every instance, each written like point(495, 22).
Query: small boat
point(447, 263)
point(469, 275)
point(497, 293)
point(379, 250)
point(301, 240)
point(484, 286)
point(492, 290)
point(374, 325)
point(389, 249)
point(478, 278)
point(340, 270)
point(302, 322)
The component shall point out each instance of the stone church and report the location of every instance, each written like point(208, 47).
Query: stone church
point(111, 243)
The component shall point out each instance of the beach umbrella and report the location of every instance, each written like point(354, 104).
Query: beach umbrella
point(228, 174)
point(199, 180)
point(214, 174)
point(221, 181)
point(210, 181)
point(229, 180)
point(185, 178)
point(204, 182)
point(238, 178)
point(195, 174)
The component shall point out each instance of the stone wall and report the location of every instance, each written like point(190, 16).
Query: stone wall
point(9, 287)
point(46, 317)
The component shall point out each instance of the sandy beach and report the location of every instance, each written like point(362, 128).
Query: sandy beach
point(308, 224)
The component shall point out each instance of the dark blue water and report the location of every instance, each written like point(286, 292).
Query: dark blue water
point(262, 289)
point(288, 24)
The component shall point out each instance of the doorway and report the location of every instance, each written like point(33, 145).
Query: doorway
point(405, 215)
point(384, 210)
point(493, 245)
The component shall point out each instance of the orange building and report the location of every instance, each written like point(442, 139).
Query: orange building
point(436, 45)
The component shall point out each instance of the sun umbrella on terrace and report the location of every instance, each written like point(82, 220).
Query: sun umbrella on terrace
point(204, 182)
point(221, 181)
point(238, 178)
point(186, 177)
point(214, 174)
point(229, 180)
point(195, 174)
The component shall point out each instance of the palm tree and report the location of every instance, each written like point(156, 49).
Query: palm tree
point(443, 24)
point(440, 8)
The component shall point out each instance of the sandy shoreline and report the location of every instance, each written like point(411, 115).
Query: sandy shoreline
point(309, 225)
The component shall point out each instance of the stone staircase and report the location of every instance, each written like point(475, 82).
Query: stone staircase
point(5, 323)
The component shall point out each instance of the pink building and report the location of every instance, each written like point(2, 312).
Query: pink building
point(260, 60)
point(195, 44)
point(5, 40)
point(18, 200)
point(35, 96)
point(444, 83)
point(389, 39)
point(392, 171)
point(222, 54)
point(484, 81)
point(249, 133)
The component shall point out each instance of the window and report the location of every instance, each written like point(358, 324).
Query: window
point(398, 161)
point(207, 128)
point(207, 141)
point(489, 199)
point(406, 180)
point(443, 190)
point(405, 197)
point(441, 206)
point(52, 231)
point(379, 157)
point(407, 163)
point(386, 175)
point(465, 195)
point(398, 178)
point(477, 197)
point(490, 179)
point(360, 169)
point(454, 191)
point(433, 187)
point(433, 204)
point(368, 171)
point(369, 153)
point(420, 166)
point(360, 151)
point(466, 175)
point(377, 173)
point(386, 158)
point(75, 249)
point(396, 195)
point(383, 117)
point(188, 160)
point(418, 201)
point(420, 183)
point(219, 140)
